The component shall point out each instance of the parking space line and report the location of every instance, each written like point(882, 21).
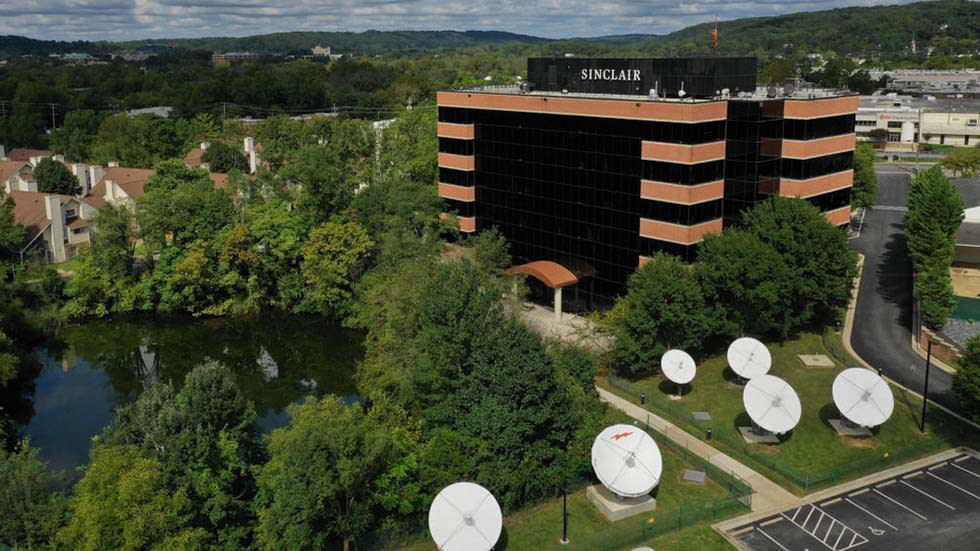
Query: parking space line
point(807, 517)
point(875, 490)
point(839, 536)
point(781, 546)
point(830, 528)
point(893, 527)
point(943, 503)
point(968, 471)
point(967, 492)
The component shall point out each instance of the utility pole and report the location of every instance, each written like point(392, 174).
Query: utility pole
point(53, 123)
point(224, 110)
point(925, 390)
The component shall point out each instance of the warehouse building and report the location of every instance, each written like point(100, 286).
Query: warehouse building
point(594, 165)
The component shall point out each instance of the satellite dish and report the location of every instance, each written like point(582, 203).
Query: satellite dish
point(749, 358)
point(772, 404)
point(627, 460)
point(771, 92)
point(678, 366)
point(788, 89)
point(863, 397)
point(465, 517)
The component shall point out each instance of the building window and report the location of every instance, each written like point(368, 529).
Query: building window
point(457, 115)
point(461, 208)
point(685, 215)
point(895, 124)
point(804, 169)
point(455, 147)
point(675, 173)
point(812, 129)
point(455, 177)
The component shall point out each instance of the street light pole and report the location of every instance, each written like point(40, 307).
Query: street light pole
point(564, 516)
point(925, 390)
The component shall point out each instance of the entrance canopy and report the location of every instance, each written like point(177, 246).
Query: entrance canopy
point(552, 274)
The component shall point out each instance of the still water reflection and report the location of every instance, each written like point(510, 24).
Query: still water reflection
point(92, 368)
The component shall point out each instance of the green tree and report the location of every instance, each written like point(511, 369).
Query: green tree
point(751, 281)
point(935, 211)
point(12, 234)
point(821, 261)
point(966, 382)
point(962, 161)
point(878, 136)
point(124, 503)
point(30, 512)
point(938, 300)
point(74, 138)
point(280, 137)
point(181, 205)
point(135, 141)
point(54, 177)
point(317, 486)
point(113, 241)
point(664, 308)
point(333, 257)
point(327, 189)
point(207, 443)
point(222, 157)
point(864, 193)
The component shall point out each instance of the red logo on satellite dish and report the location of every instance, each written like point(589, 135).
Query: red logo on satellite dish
point(616, 437)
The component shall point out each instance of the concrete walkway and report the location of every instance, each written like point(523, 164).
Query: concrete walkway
point(767, 495)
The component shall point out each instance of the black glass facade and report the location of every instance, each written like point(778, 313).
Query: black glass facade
point(566, 188)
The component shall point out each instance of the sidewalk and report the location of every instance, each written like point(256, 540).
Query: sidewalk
point(767, 496)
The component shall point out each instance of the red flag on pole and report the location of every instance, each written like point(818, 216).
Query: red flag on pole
point(714, 35)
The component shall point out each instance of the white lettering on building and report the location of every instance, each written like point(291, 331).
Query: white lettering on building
point(611, 74)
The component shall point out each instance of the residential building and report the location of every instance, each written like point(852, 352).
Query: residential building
point(56, 225)
point(233, 58)
point(596, 164)
point(17, 176)
point(32, 156)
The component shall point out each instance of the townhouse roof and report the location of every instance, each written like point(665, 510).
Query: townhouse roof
point(193, 159)
point(131, 180)
point(22, 154)
point(30, 212)
point(9, 168)
point(220, 180)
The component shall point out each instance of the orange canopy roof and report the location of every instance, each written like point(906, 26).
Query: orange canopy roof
point(550, 273)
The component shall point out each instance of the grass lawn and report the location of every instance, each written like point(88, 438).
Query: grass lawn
point(812, 455)
point(540, 527)
point(71, 265)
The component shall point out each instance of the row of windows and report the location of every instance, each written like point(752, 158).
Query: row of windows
point(833, 200)
point(609, 211)
point(457, 115)
point(675, 173)
point(584, 141)
point(650, 247)
point(552, 191)
point(579, 160)
point(457, 177)
point(455, 146)
point(600, 180)
point(461, 208)
point(802, 169)
point(686, 215)
point(796, 129)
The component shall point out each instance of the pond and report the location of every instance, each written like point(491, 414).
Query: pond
point(90, 369)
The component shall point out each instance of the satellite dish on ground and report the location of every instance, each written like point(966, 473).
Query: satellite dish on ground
point(772, 404)
point(749, 358)
point(627, 460)
point(678, 366)
point(465, 517)
point(863, 397)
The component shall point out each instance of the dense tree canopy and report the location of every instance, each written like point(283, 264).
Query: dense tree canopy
point(54, 177)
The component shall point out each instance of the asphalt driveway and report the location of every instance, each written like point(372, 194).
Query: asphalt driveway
point(882, 333)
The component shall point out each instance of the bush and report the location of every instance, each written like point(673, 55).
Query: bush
point(966, 382)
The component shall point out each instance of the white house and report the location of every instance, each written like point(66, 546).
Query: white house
point(58, 224)
point(17, 176)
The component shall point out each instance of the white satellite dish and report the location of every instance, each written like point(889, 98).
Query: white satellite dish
point(749, 358)
point(772, 404)
point(465, 517)
point(678, 366)
point(863, 397)
point(627, 460)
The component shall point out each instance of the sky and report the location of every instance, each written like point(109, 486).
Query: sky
point(139, 19)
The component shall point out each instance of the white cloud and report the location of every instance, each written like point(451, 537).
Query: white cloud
point(133, 19)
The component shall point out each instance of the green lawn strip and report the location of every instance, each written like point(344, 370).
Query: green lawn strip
point(812, 455)
point(701, 537)
point(540, 527)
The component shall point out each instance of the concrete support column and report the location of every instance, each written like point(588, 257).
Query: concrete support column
point(558, 304)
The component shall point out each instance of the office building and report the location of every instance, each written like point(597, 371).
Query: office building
point(595, 164)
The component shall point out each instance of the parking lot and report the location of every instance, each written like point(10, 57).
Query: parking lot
point(935, 508)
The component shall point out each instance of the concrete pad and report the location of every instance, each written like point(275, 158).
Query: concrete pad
point(616, 508)
point(694, 477)
point(816, 360)
point(844, 428)
point(700, 415)
point(752, 437)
